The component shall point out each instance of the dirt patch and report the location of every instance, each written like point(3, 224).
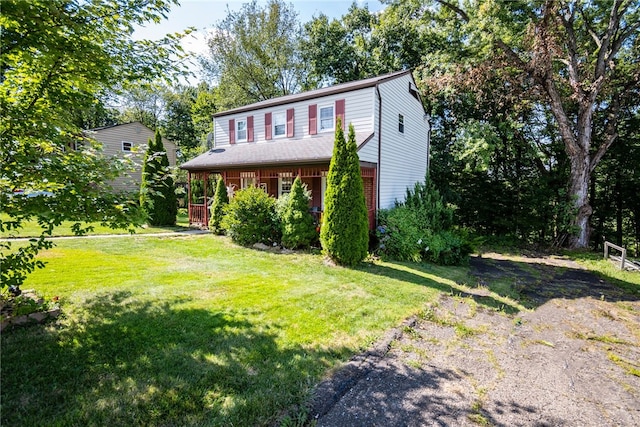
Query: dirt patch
point(573, 359)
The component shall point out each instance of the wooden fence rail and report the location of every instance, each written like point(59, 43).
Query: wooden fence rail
point(608, 245)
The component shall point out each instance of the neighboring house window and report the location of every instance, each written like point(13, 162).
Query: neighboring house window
point(127, 146)
point(285, 181)
point(241, 130)
point(400, 123)
point(279, 124)
point(326, 118)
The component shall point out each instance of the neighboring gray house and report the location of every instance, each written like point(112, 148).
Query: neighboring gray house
point(130, 139)
point(269, 143)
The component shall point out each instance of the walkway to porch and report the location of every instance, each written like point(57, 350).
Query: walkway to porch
point(274, 181)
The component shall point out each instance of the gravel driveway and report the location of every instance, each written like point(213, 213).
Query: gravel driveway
point(573, 359)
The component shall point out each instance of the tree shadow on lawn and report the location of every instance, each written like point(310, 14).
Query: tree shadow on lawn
point(131, 362)
point(508, 285)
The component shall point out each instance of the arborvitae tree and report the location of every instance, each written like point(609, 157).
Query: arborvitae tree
point(297, 223)
point(157, 192)
point(220, 200)
point(344, 234)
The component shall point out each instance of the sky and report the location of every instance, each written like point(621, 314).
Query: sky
point(204, 14)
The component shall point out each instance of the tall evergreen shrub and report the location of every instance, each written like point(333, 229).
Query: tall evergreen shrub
point(297, 223)
point(344, 234)
point(220, 200)
point(157, 193)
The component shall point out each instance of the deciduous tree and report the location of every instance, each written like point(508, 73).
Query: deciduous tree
point(57, 56)
point(254, 54)
point(565, 54)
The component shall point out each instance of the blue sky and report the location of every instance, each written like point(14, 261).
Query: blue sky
point(203, 14)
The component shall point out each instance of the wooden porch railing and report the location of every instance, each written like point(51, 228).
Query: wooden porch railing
point(198, 214)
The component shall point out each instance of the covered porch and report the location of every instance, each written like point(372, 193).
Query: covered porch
point(275, 181)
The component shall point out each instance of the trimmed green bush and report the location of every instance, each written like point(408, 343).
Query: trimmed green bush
point(399, 234)
point(220, 200)
point(344, 234)
point(157, 193)
point(297, 225)
point(250, 218)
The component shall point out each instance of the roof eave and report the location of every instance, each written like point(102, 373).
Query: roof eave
point(318, 93)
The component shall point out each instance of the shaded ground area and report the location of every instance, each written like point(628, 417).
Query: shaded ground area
point(573, 358)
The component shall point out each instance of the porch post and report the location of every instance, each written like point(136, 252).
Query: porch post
point(206, 204)
point(189, 195)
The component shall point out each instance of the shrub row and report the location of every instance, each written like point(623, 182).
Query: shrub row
point(252, 216)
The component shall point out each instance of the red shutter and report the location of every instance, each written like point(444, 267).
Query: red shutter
point(340, 111)
point(250, 129)
point(290, 123)
point(313, 125)
point(267, 126)
point(232, 131)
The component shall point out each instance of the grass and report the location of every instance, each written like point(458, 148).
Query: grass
point(195, 331)
point(32, 229)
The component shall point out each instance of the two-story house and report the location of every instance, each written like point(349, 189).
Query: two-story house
point(130, 140)
point(269, 143)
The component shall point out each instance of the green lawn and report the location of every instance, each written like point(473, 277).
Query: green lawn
point(32, 229)
point(194, 330)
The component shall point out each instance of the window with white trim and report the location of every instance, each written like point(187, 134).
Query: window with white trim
point(325, 122)
point(285, 182)
point(127, 146)
point(241, 130)
point(247, 179)
point(400, 123)
point(279, 124)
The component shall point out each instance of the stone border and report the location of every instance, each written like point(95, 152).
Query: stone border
point(37, 317)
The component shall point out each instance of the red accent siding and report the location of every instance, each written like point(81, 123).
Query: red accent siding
point(232, 131)
point(267, 126)
point(313, 114)
point(250, 129)
point(290, 123)
point(340, 111)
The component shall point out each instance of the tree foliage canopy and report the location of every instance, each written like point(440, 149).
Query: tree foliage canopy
point(58, 56)
point(254, 54)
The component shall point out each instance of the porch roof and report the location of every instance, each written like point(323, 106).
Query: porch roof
point(316, 149)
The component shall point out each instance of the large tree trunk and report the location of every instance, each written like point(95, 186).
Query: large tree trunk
point(579, 191)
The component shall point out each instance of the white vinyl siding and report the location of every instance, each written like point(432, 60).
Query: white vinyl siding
point(403, 157)
point(358, 111)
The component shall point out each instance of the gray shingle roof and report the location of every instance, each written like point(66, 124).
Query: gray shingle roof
point(344, 87)
point(282, 152)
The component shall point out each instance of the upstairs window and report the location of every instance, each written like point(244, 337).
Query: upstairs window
point(127, 146)
point(400, 123)
point(279, 124)
point(241, 130)
point(326, 118)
